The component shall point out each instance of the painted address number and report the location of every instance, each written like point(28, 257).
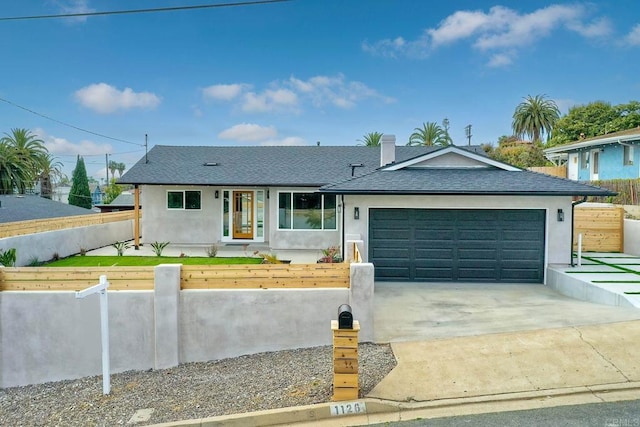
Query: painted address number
point(348, 408)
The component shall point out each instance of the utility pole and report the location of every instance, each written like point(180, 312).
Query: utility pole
point(467, 132)
point(106, 156)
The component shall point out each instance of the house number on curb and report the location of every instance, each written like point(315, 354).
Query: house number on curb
point(348, 408)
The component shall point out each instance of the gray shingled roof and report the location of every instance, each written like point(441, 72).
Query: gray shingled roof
point(28, 207)
point(481, 181)
point(123, 199)
point(307, 166)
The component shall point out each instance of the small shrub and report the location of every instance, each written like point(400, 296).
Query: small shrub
point(121, 247)
point(34, 262)
point(268, 258)
point(158, 247)
point(8, 257)
point(212, 251)
point(55, 256)
point(83, 251)
point(331, 255)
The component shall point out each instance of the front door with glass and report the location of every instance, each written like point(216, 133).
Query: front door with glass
point(243, 214)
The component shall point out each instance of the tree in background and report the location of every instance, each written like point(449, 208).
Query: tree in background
point(371, 139)
point(535, 117)
point(594, 119)
point(49, 172)
point(80, 195)
point(430, 134)
point(25, 154)
point(113, 190)
point(512, 150)
point(121, 167)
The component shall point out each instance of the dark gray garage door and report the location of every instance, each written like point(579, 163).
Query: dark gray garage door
point(475, 245)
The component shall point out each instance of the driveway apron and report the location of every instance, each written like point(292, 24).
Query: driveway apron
point(412, 311)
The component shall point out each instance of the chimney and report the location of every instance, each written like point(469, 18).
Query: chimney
point(387, 149)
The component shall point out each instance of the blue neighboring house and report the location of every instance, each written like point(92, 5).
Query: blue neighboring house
point(612, 156)
point(96, 194)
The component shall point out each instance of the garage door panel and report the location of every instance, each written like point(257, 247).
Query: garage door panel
point(458, 244)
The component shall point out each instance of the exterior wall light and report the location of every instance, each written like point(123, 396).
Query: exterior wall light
point(356, 213)
point(217, 194)
point(560, 215)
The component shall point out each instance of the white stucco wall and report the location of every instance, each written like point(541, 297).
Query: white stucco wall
point(66, 242)
point(632, 237)
point(558, 234)
point(180, 226)
point(51, 336)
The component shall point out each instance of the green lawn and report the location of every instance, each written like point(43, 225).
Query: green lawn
point(101, 261)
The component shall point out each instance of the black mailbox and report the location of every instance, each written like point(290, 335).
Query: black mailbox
point(345, 317)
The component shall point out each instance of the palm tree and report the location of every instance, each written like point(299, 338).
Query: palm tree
point(371, 139)
point(429, 134)
point(113, 166)
point(121, 167)
point(49, 172)
point(28, 151)
point(534, 117)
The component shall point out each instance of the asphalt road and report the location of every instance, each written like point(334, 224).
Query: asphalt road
point(611, 414)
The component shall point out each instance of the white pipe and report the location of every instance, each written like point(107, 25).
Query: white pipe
point(579, 249)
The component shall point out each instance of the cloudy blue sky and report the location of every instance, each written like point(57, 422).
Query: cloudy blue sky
point(298, 72)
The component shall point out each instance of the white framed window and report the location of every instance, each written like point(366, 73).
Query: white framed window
point(184, 199)
point(627, 155)
point(306, 211)
point(584, 160)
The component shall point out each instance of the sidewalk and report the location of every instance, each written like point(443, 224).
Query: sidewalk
point(488, 373)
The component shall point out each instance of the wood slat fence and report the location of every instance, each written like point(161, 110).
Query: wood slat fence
point(260, 276)
point(602, 229)
point(19, 228)
point(560, 171)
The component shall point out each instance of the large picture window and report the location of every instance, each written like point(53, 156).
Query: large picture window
point(306, 211)
point(183, 200)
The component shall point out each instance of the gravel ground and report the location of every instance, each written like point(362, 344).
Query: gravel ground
point(195, 390)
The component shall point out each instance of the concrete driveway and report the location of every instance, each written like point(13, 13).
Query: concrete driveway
point(410, 311)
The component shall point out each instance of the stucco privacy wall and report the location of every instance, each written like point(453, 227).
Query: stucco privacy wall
point(69, 241)
point(558, 234)
point(632, 237)
point(50, 336)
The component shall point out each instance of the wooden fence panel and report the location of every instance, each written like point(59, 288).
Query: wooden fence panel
point(602, 229)
point(560, 171)
point(19, 228)
point(265, 276)
point(256, 276)
point(75, 279)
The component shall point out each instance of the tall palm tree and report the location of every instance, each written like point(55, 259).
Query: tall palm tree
point(29, 152)
point(429, 134)
point(50, 170)
point(534, 117)
point(121, 167)
point(371, 139)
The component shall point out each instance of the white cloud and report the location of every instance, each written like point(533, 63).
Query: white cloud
point(61, 146)
point(224, 92)
point(75, 6)
point(248, 132)
point(500, 31)
point(500, 60)
point(633, 38)
point(336, 91)
point(270, 100)
point(106, 99)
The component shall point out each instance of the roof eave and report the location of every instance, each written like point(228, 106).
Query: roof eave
point(468, 193)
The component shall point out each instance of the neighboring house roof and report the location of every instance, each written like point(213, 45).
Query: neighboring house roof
point(123, 199)
point(612, 138)
point(440, 173)
point(305, 166)
point(23, 208)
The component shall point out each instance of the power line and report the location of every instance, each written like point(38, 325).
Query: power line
point(153, 10)
point(69, 125)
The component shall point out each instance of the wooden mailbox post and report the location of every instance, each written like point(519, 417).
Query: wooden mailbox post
point(345, 361)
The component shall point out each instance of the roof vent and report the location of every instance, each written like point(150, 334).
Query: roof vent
point(210, 164)
point(353, 167)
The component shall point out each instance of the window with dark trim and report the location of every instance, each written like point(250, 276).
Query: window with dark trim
point(306, 211)
point(187, 199)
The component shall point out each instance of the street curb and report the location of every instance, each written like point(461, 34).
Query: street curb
point(379, 410)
